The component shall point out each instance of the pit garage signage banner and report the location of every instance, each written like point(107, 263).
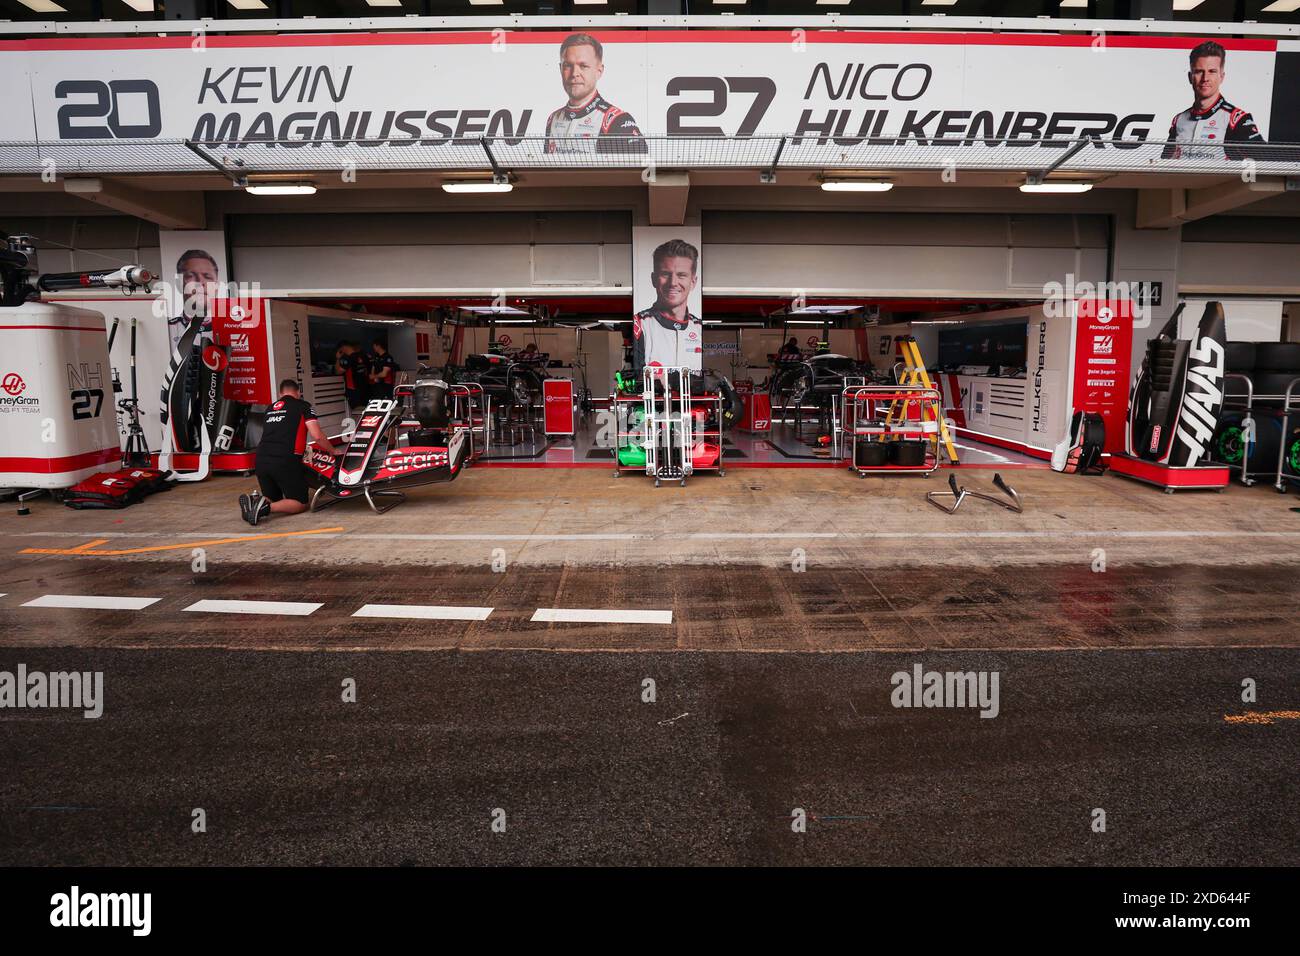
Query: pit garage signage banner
point(602, 93)
point(1103, 345)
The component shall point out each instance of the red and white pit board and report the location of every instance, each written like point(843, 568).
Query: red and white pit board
point(58, 420)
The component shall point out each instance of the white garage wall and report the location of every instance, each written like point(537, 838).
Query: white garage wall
point(939, 254)
point(435, 252)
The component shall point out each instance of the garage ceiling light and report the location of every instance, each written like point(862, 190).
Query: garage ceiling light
point(1074, 4)
point(515, 321)
point(42, 6)
point(487, 3)
point(938, 3)
point(280, 189)
point(857, 185)
point(140, 6)
point(1055, 187)
point(1282, 6)
point(479, 186)
point(271, 188)
point(247, 4)
point(492, 310)
point(1187, 4)
point(827, 309)
point(383, 3)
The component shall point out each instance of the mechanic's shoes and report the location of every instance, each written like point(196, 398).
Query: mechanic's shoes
point(254, 507)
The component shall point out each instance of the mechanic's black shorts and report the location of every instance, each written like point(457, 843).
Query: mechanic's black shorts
point(357, 399)
point(282, 478)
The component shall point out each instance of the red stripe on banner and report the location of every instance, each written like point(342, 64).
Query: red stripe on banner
point(782, 37)
point(56, 328)
point(53, 466)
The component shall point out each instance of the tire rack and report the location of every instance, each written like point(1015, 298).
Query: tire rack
point(668, 421)
point(863, 423)
point(1290, 404)
point(622, 406)
point(472, 410)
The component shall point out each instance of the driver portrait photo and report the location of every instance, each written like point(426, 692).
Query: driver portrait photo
point(667, 333)
point(1207, 128)
point(588, 122)
point(198, 274)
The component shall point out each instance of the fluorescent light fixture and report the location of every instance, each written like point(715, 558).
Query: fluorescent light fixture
point(938, 3)
point(856, 186)
point(42, 6)
point(280, 189)
point(590, 3)
point(247, 4)
point(833, 3)
point(140, 6)
point(481, 186)
point(1055, 187)
point(1074, 4)
point(487, 3)
point(827, 309)
point(730, 3)
point(383, 3)
point(807, 322)
point(1187, 4)
point(492, 310)
point(515, 321)
point(1282, 6)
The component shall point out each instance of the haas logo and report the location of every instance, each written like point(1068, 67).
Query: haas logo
point(13, 384)
point(1201, 398)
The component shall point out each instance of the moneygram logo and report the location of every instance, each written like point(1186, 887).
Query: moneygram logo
point(13, 384)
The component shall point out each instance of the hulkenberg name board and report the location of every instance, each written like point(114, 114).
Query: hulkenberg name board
point(819, 86)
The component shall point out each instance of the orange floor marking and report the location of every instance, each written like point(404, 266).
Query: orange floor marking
point(1266, 717)
point(87, 549)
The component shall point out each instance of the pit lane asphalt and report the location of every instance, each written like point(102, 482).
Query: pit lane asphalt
point(1121, 705)
point(709, 774)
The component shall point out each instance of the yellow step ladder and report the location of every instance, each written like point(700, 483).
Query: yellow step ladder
point(914, 373)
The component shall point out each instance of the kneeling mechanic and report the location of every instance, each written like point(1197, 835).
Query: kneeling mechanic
point(280, 471)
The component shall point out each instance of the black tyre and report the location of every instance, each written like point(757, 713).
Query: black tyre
point(1229, 444)
point(1291, 464)
point(1239, 356)
point(1275, 383)
point(1278, 357)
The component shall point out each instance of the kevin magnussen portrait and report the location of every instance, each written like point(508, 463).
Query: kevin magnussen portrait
point(588, 122)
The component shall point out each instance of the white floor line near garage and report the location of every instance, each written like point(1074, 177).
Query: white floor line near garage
point(93, 602)
point(428, 612)
point(292, 608)
point(578, 615)
point(734, 535)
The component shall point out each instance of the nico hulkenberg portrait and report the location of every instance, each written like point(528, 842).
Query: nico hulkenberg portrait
point(1211, 125)
point(667, 333)
point(588, 122)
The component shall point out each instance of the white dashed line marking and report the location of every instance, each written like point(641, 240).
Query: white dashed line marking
point(294, 608)
point(427, 612)
point(579, 615)
point(93, 602)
